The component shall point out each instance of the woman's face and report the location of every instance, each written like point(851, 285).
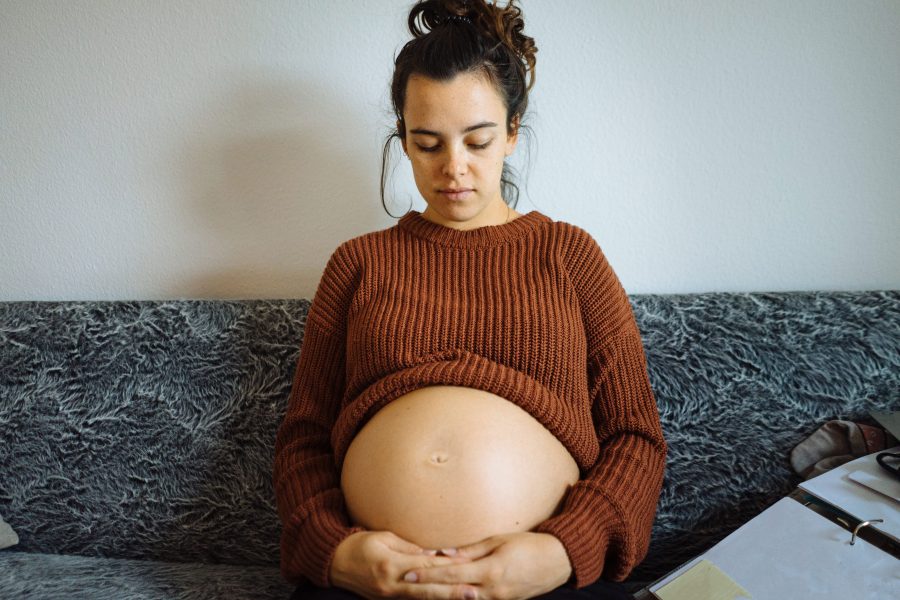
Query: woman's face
point(456, 139)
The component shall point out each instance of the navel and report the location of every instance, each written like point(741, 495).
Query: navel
point(439, 458)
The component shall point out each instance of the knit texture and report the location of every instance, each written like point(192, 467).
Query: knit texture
point(529, 310)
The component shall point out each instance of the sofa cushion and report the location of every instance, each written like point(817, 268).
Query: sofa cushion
point(33, 575)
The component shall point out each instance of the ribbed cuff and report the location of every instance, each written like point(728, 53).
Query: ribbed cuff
point(584, 528)
point(308, 550)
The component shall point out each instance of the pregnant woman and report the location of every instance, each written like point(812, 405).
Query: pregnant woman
point(471, 415)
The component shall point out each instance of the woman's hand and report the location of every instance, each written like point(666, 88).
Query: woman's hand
point(512, 566)
point(372, 564)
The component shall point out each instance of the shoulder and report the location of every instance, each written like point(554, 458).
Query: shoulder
point(570, 236)
point(336, 287)
point(342, 262)
point(352, 257)
point(343, 269)
point(357, 248)
point(602, 298)
point(578, 249)
point(351, 253)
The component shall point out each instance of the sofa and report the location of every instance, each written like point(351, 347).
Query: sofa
point(137, 436)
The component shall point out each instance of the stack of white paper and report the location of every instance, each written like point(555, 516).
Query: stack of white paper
point(790, 551)
point(852, 488)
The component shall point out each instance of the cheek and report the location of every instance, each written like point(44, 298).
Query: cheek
point(420, 165)
point(425, 171)
point(497, 163)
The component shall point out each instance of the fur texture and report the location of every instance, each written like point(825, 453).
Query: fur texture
point(143, 431)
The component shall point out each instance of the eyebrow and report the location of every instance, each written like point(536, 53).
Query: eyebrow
point(466, 130)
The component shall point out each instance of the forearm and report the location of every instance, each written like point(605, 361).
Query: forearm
point(607, 516)
point(307, 484)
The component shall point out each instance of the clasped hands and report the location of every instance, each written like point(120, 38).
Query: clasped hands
point(511, 566)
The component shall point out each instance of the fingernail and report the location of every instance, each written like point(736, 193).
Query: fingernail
point(449, 551)
point(410, 577)
point(470, 594)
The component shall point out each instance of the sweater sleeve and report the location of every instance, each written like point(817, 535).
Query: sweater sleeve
point(606, 517)
point(306, 481)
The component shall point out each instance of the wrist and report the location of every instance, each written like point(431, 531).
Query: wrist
point(566, 571)
point(335, 569)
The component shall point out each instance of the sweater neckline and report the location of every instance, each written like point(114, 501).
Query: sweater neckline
point(486, 235)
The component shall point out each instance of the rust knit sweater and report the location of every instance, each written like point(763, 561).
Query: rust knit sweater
point(529, 310)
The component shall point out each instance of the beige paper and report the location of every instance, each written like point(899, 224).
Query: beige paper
point(704, 580)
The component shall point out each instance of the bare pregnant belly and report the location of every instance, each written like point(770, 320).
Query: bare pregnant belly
point(444, 466)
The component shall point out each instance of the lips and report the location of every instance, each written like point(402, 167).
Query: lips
point(456, 195)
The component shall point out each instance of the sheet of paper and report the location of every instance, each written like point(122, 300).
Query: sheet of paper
point(703, 580)
point(889, 419)
point(791, 551)
point(837, 488)
point(883, 485)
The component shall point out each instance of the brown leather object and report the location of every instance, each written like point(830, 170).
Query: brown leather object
point(835, 443)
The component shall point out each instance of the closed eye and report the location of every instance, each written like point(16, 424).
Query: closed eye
point(434, 148)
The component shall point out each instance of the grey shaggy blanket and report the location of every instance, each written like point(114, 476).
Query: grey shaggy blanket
point(145, 429)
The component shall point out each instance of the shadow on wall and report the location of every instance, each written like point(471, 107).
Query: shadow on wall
point(266, 192)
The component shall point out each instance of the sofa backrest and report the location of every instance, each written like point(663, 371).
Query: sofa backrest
point(145, 429)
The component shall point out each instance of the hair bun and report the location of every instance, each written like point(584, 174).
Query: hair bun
point(507, 25)
point(434, 13)
point(504, 25)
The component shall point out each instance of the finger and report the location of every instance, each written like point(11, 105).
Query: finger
point(407, 564)
point(430, 562)
point(473, 572)
point(397, 543)
point(436, 591)
point(479, 549)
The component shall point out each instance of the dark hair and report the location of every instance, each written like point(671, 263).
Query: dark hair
point(466, 36)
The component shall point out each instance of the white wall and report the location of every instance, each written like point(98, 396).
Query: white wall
point(212, 149)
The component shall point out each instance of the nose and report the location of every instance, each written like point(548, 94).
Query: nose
point(455, 164)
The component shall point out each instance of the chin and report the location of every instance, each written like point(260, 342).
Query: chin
point(458, 211)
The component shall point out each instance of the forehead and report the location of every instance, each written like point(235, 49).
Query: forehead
point(460, 100)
